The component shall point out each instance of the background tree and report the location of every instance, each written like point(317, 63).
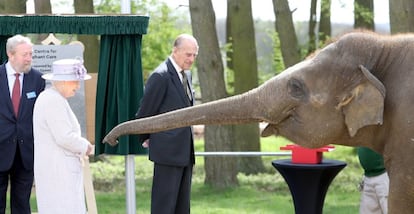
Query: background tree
point(244, 62)
point(14, 6)
point(2, 11)
point(401, 16)
point(221, 172)
point(325, 21)
point(312, 27)
point(364, 14)
point(42, 7)
point(91, 43)
point(286, 32)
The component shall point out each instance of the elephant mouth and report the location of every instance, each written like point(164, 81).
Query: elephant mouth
point(270, 129)
point(287, 117)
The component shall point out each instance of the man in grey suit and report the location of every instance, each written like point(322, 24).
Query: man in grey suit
point(169, 88)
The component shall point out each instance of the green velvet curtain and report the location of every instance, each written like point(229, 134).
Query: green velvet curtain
point(3, 53)
point(120, 83)
point(74, 24)
point(120, 87)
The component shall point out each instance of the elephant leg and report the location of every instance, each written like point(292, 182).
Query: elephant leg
point(401, 194)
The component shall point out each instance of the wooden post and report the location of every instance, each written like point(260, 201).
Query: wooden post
point(89, 191)
point(90, 101)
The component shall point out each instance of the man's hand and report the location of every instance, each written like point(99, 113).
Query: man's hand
point(145, 144)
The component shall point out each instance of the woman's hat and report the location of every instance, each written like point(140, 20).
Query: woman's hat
point(67, 70)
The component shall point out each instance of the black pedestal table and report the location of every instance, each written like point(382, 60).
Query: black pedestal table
point(308, 183)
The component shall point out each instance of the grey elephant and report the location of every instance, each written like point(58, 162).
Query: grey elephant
point(356, 91)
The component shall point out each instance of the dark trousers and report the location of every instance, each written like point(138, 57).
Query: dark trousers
point(21, 183)
point(171, 189)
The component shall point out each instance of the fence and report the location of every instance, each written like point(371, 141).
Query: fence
point(243, 154)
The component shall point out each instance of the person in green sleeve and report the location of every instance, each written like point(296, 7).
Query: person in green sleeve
point(375, 184)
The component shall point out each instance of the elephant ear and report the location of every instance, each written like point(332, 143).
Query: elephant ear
point(364, 104)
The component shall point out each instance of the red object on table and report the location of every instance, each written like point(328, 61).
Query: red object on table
point(304, 155)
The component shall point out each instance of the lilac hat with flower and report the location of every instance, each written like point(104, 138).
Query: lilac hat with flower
point(67, 70)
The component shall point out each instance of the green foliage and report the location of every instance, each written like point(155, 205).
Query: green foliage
point(107, 6)
point(114, 7)
point(364, 13)
point(229, 79)
point(165, 24)
point(323, 43)
point(265, 193)
point(262, 193)
point(278, 65)
point(228, 72)
point(107, 173)
point(157, 44)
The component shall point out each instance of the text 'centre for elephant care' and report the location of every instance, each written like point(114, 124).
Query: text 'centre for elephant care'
point(44, 55)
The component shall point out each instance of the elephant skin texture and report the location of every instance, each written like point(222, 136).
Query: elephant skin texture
point(356, 91)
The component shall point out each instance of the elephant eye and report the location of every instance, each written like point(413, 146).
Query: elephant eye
point(297, 89)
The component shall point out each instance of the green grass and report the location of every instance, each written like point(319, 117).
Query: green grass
point(264, 193)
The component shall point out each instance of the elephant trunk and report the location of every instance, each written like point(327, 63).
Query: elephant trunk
point(224, 111)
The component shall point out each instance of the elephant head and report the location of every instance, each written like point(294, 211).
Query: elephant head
point(311, 103)
point(335, 96)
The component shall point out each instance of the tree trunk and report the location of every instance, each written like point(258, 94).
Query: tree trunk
point(221, 172)
point(42, 7)
point(14, 6)
point(364, 14)
point(312, 27)
point(244, 61)
point(325, 21)
point(91, 43)
point(401, 16)
point(2, 9)
point(286, 31)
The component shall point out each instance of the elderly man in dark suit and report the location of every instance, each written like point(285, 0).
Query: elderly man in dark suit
point(19, 88)
point(169, 88)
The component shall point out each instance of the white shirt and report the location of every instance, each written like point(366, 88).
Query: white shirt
point(11, 78)
point(178, 69)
